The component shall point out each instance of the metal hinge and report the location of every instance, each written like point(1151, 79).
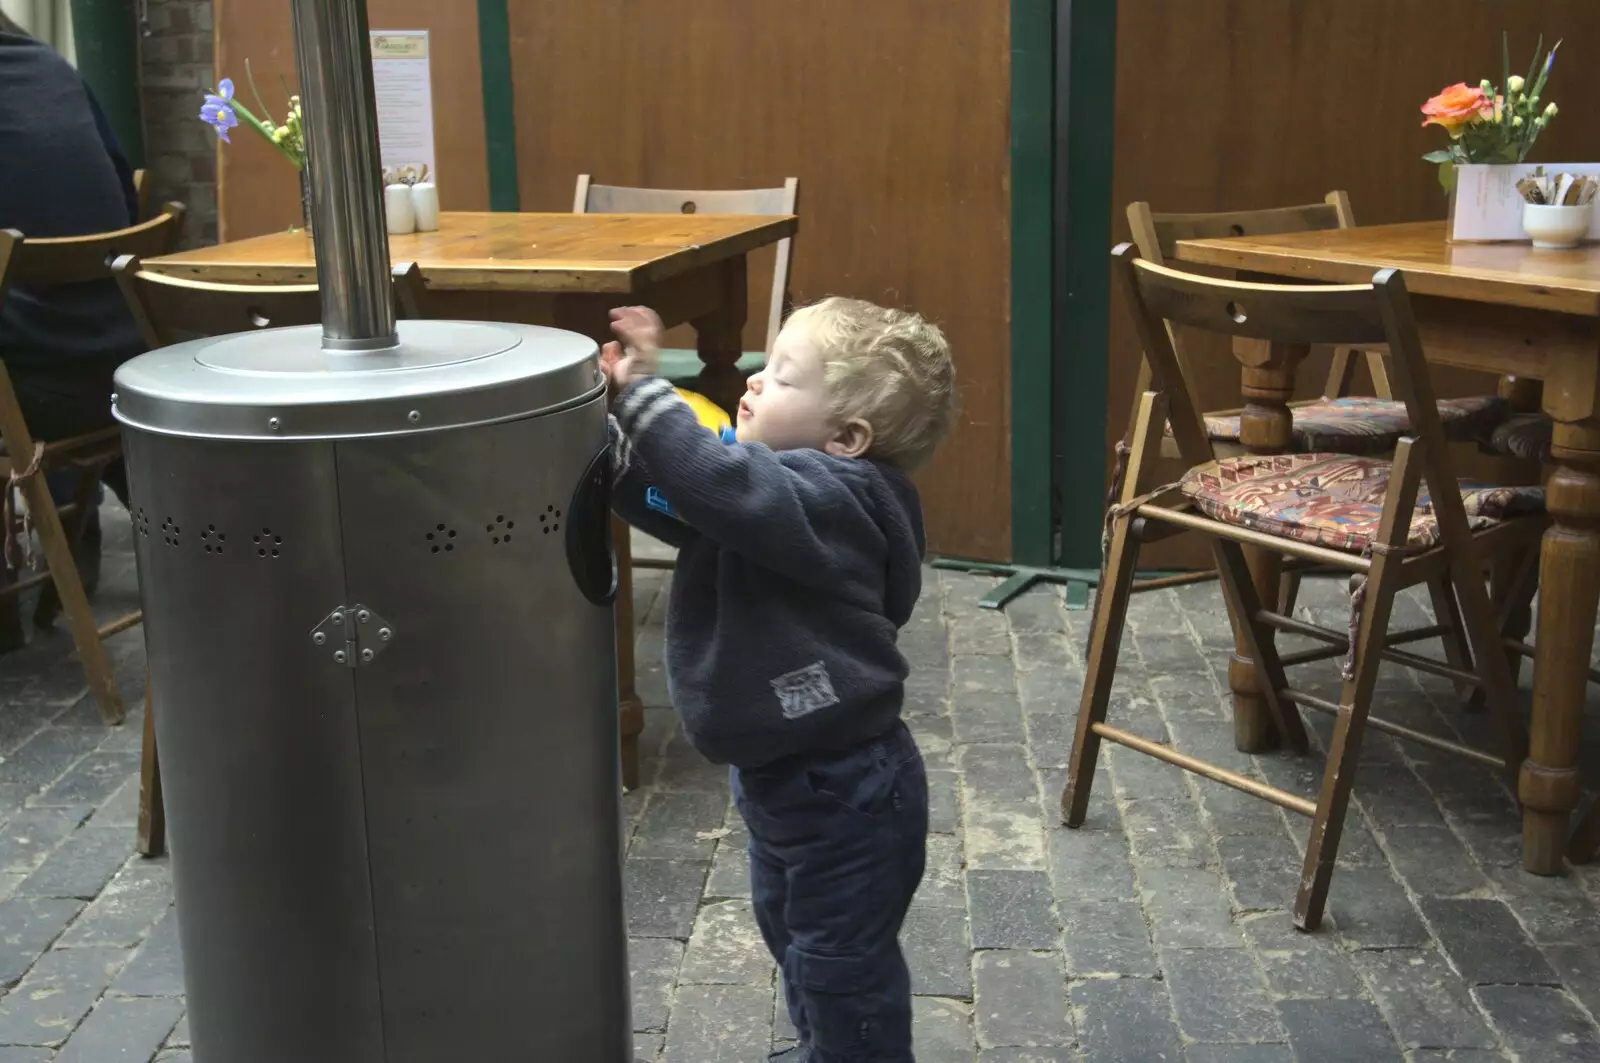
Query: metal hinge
point(354, 633)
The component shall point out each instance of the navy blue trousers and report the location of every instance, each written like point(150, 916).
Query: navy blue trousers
point(838, 842)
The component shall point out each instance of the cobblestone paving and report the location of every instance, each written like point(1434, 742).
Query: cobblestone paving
point(1157, 932)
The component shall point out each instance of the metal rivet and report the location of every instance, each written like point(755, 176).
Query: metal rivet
point(414, 416)
point(338, 656)
point(337, 618)
point(366, 655)
point(113, 398)
point(274, 424)
point(385, 634)
point(363, 616)
point(319, 638)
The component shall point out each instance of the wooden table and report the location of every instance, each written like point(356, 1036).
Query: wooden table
point(565, 270)
point(1507, 309)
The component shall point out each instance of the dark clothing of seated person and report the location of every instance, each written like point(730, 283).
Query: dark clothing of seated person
point(62, 173)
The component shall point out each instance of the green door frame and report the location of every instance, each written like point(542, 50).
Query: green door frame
point(499, 116)
point(107, 45)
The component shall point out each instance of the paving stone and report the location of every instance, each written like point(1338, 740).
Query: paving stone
point(91, 780)
point(1579, 968)
point(1373, 911)
point(127, 908)
point(1137, 776)
point(985, 716)
point(121, 809)
point(1262, 869)
point(179, 1037)
point(48, 1003)
point(1019, 998)
point(943, 881)
point(972, 674)
point(1001, 813)
point(1012, 910)
point(122, 1030)
point(1050, 741)
point(1454, 1055)
point(1298, 964)
point(1038, 649)
point(33, 833)
point(1104, 938)
point(719, 1024)
point(1187, 908)
point(1090, 864)
point(1432, 862)
point(156, 970)
point(1125, 1020)
point(941, 1030)
point(980, 634)
point(1338, 1031)
point(662, 896)
point(726, 948)
point(1540, 1023)
point(28, 1055)
point(938, 951)
point(27, 927)
point(944, 802)
point(653, 965)
point(81, 865)
point(40, 761)
point(997, 774)
point(1239, 1054)
point(683, 770)
point(1554, 908)
point(1219, 995)
point(730, 872)
point(1485, 942)
point(1036, 611)
point(1050, 691)
point(1396, 798)
point(1011, 1054)
point(934, 738)
point(647, 1047)
point(680, 826)
point(1423, 1000)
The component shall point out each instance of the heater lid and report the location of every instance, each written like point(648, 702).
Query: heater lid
point(282, 384)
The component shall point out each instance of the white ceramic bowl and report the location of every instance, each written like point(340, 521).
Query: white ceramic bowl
point(1555, 226)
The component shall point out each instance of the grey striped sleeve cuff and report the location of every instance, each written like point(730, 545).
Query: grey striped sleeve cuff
point(642, 403)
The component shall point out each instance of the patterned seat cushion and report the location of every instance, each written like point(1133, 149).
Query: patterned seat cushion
point(1522, 435)
point(1332, 500)
point(1364, 425)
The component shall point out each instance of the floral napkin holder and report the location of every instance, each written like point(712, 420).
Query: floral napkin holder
point(1486, 206)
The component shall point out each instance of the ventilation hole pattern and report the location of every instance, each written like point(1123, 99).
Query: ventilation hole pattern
point(267, 544)
point(170, 532)
point(500, 530)
point(441, 539)
point(550, 520)
point(141, 523)
point(212, 541)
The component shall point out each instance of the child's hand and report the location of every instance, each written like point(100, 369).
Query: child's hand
point(639, 353)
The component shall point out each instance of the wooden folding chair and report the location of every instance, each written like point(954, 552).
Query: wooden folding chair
point(1354, 513)
point(170, 310)
point(43, 264)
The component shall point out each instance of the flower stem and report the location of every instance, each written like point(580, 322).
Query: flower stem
point(266, 134)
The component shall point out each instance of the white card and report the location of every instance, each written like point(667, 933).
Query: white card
point(403, 84)
point(1489, 207)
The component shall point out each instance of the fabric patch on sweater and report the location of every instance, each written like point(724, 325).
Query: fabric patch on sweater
point(805, 690)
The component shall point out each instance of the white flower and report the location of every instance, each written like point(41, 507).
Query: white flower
point(1487, 88)
point(1515, 83)
point(1551, 111)
point(1516, 121)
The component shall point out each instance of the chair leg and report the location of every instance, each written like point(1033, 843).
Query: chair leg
point(1456, 652)
point(1110, 616)
point(1355, 697)
point(1288, 591)
point(1244, 607)
point(152, 837)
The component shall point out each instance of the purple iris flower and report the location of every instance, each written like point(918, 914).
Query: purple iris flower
point(218, 112)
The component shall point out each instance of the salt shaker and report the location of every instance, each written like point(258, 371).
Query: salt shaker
point(425, 205)
point(398, 209)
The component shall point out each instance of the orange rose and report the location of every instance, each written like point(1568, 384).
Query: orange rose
point(1457, 106)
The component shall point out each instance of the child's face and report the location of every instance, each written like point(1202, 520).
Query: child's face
point(785, 406)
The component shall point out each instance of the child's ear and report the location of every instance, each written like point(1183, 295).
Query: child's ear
point(853, 439)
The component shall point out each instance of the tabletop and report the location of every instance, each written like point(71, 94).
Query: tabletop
point(1512, 274)
point(511, 252)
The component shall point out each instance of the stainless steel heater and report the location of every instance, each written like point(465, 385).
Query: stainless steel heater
point(377, 582)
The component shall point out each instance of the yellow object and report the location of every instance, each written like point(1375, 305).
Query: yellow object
point(709, 413)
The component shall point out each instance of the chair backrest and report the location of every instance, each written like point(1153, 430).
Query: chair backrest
point(1157, 236)
point(141, 193)
point(173, 309)
point(1356, 315)
point(590, 198)
point(75, 259)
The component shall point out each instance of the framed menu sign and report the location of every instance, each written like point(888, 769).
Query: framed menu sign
point(403, 84)
point(1487, 206)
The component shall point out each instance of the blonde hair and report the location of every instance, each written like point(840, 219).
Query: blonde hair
point(889, 368)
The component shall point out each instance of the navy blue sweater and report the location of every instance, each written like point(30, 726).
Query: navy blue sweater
point(61, 174)
point(795, 572)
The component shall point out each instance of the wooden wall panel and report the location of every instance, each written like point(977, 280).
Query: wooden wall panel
point(1234, 104)
point(895, 120)
point(256, 190)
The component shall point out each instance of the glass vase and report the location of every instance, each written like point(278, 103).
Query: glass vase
point(305, 202)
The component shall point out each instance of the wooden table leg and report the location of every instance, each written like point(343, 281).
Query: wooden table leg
point(719, 338)
point(1267, 384)
point(1569, 588)
point(630, 708)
